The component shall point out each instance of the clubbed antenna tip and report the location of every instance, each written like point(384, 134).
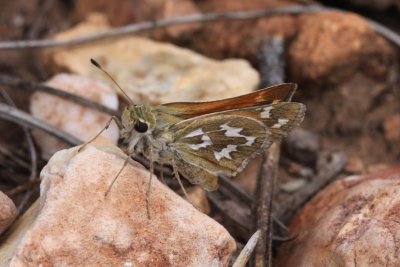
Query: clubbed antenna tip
point(94, 62)
point(97, 65)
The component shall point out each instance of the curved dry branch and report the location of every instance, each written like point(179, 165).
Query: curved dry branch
point(32, 152)
point(15, 115)
point(195, 18)
point(27, 85)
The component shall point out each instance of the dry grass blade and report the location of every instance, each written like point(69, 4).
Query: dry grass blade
point(245, 254)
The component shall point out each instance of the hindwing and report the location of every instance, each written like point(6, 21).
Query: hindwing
point(219, 144)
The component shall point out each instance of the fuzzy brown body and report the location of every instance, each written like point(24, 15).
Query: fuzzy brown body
point(206, 139)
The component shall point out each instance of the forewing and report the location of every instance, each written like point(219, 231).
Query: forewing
point(219, 144)
point(274, 94)
point(279, 118)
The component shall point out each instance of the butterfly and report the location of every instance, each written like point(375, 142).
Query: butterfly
point(202, 140)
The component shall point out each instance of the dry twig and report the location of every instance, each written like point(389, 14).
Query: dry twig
point(32, 152)
point(15, 115)
point(263, 208)
point(335, 163)
point(27, 85)
point(196, 18)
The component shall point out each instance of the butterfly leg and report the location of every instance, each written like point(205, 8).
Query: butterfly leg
point(149, 188)
point(113, 118)
point(176, 173)
point(119, 172)
point(162, 171)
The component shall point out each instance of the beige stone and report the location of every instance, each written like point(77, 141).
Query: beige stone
point(77, 120)
point(8, 212)
point(152, 72)
point(79, 226)
point(353, 222)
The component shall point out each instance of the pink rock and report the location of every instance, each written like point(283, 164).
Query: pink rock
point(353, 222)
point(79, 226)
point(80, 121)
point(8, 212)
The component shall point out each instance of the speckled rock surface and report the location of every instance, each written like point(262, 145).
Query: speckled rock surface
point(353, 222)
point(82, 122)
point(79, 226)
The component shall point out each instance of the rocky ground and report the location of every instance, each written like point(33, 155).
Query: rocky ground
point(347, 76)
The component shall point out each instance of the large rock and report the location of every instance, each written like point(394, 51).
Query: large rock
point(75, 119)
point(79, 226)
point(353, 222)
point(332, 47)
point(152, 72)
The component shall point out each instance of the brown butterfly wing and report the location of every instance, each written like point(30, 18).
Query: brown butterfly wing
point(274, 94)
point(279, 118)
point(219, 144)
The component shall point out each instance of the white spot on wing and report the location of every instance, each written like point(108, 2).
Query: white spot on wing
point(235, 132)
point(225, 152)
point(266, 112)
point(195, 133)
point(280, 123)
point(250, 140)
point(206, 142)
point(231, 131)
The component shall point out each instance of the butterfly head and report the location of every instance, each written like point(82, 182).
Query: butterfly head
point(138, 119)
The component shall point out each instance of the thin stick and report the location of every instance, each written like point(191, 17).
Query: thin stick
point(325, 175)
point(207, 17)
point(32, 152)
point(15, 115)
point(27, 85)
point(22, 187)
point(245, 254)
point(18, 160)
point(263, 209)
point(28, 136)
point(236, 191)
point(214, 198)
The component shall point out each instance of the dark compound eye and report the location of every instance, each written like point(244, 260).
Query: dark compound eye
point(141, 127)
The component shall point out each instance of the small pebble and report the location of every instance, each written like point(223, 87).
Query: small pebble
point(8, 212)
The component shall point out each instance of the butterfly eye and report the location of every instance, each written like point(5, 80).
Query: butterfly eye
point(141, 127)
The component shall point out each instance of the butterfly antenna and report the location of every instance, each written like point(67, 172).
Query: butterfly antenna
point(97, 65)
